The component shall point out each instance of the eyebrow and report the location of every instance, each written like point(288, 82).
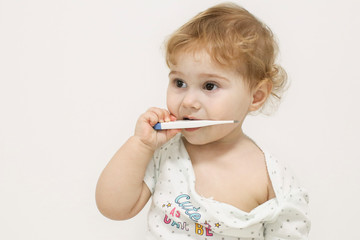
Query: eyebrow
point(203, 75)
point(210, 75)
point(174, 72)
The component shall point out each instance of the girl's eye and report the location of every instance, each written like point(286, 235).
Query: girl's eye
point(210, 86)
point(179, 83)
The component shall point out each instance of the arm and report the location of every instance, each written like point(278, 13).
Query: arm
point(121, 192)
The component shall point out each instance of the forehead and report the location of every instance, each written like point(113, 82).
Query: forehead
point(199, 62)
point(194, 60)
point(198, 57)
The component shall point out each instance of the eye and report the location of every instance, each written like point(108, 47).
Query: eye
point(210, 86)
point(179, 83)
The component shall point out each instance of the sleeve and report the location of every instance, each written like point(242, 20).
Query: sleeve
point(151, 172)
point(292, 221)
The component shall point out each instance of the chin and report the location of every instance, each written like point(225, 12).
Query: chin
point(199, 137)
point(195, 138)
point(206, 136)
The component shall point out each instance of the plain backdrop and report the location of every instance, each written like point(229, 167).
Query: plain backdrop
point(76, 74)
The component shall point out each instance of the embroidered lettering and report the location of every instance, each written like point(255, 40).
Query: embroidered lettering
point(190, 210)
point(199, 230)
point(180, 225)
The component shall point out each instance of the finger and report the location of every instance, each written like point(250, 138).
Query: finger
point(155, 119)
point(150, 118)
point(167, 116)
point(159, 112)
point(172, 118)
point(164, 115)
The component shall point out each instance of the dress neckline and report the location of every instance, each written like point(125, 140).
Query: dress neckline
point(211, 199)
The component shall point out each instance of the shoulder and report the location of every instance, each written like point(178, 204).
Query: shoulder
point(292, 201)
point(286, 184)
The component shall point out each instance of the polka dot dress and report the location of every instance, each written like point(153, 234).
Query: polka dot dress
point(178, 212)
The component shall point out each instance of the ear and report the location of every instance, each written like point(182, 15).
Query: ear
point(259, 94)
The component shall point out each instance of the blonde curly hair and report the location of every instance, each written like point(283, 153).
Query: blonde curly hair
point(235, 39)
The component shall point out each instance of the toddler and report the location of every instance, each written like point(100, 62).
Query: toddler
point(212, 182)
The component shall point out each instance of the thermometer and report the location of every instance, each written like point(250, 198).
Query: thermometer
point(190, 124)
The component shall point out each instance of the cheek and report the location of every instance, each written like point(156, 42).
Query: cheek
point(231, 111)
point(227, 109)
point(172, 104)
point(241, 105)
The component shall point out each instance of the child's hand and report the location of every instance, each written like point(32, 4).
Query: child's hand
point(144, 128)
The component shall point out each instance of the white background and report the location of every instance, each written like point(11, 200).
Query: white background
point(75, 75)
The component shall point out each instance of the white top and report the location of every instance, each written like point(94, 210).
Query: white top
point(179, 212)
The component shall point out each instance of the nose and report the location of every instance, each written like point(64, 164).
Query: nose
point(191, 100)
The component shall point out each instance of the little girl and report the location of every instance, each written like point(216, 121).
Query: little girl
point(212, 182)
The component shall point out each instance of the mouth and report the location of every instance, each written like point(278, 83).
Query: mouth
point(190, 118)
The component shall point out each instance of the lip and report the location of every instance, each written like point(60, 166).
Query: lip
point(190, 118)
point(191, 129)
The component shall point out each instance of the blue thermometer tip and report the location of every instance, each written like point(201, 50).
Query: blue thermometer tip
point(157, 126)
